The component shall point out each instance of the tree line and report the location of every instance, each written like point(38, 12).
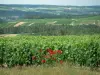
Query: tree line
point(52, 30)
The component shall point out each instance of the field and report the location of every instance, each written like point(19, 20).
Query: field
point(64, 21)
point(56, 26)
point(49, 40)
point(65, 69)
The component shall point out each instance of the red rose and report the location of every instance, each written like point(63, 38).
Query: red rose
point(43, 61)
point(59, 51)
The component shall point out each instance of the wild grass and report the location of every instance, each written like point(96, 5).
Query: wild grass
point(64, 69)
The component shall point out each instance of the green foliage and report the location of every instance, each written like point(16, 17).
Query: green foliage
point(52, 30)
point(56, 26)
point(83, 50)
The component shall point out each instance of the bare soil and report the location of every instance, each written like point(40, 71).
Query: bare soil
point(19, 24)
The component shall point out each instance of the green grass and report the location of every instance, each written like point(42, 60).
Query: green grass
point(91, 18)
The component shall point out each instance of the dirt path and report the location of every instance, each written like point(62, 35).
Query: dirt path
point(19, 24)
point(51, 23)
point(31, 24)
point(8, 35)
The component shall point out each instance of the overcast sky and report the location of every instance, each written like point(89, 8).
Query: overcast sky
point(52, 2)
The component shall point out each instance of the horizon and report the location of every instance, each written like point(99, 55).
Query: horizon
point(50, 4)
point(54, 2)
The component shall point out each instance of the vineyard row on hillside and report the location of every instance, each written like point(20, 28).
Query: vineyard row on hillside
point(36, 50)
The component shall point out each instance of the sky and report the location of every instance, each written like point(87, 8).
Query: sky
point(53, 2)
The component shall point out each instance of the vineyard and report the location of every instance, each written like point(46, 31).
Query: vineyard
point(56, 21)
point(66, 26)
point(37, 50)
point(49, 39)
